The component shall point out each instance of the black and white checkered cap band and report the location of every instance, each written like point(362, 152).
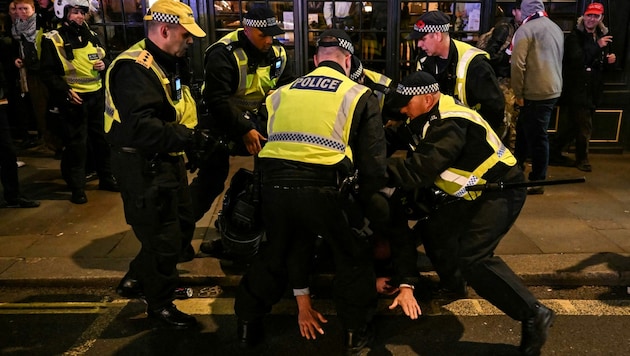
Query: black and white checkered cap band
point(162, 17)
point(432, 28)
point(357, 73)
point(270, 22)
point(411, 91)
point(347, 45)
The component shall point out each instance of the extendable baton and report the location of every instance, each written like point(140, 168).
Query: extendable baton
point(534, 183)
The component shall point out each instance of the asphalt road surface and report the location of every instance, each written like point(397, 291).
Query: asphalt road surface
point(94, 321)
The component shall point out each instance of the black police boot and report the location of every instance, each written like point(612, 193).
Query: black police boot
point(356, 340)
point(535, 330)
point(130, 288)
point(187, 254)
point(453, 291)
point(250, 333)
point(78, 196)
point(108, 183)
point(171, 316)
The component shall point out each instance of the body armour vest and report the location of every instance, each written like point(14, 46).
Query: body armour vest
point(454, 181)
point(79, 72)
point(185, 109)
point(253, 86)
point(325, 101)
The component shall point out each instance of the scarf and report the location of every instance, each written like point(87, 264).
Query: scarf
point(530, 17)
point(26, 30)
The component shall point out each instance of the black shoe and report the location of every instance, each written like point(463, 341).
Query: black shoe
point(78, 197)
point(250, 333)
point(109, 184)
point(584, 166)
point(356, 340)
point(560, 160)
point(188, 254)
point(537, 190)
point(130, 288)
point(172, 317)
point(454, 291)
point(90, 176)
point(213, 248)
point(535, 330)
point(22, 203)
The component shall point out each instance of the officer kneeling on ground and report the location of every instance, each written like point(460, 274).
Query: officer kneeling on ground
point(453, 148)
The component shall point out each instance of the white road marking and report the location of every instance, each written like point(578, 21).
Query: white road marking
point(225, 306)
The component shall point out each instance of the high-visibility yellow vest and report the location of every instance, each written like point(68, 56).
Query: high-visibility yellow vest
point(310, 119)
point(381, 79)
point(185, 109)
point(252, 87)
point(465, 55)
point(454, 181)
point(79, 72)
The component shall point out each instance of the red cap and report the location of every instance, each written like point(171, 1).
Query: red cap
point(594, 8)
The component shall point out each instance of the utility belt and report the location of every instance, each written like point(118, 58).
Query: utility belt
point(294, 175)
point(152, 161)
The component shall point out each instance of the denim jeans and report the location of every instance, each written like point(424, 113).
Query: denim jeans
point(531, 136)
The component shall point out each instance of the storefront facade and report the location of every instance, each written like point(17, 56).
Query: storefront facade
point(379, 30)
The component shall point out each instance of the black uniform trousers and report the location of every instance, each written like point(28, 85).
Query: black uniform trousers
point(8, 159)
point(297, 206)
point(209, 182)
point(157, 205)
point(460, 239)
point(78, 124)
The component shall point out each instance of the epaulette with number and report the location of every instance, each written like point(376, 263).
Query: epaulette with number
point(145, 59)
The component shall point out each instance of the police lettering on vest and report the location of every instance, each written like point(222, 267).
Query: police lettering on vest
point(317, 83)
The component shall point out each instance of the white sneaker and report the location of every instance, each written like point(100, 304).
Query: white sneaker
point(21, 164)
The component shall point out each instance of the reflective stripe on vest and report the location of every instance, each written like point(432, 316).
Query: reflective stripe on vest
point(454, 181)
point(185, 109)
point(465, 53)
point(79, 73)
point(252, 87)
point(381, 79)
point(310, 119)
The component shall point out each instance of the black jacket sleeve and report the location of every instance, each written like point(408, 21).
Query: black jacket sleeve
point(147, 119)
point(438, 150)
point(368, 145)
point(52, 72)
point(221, 81)
point(483, 88)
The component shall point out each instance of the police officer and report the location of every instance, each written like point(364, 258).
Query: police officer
point(149, 119)
point(240, 70)
point(454, 148)
point(311, 148)
point(378, 82)
point(72, 62)
point(462, 70)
